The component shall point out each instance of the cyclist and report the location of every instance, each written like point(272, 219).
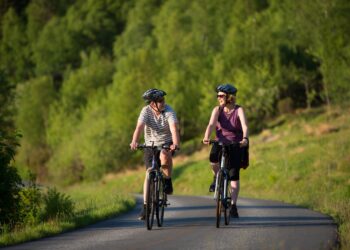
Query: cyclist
point(160, 125)
point(231, 126)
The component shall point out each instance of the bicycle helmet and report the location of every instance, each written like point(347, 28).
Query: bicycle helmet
point(227, 88)
point(153, 95)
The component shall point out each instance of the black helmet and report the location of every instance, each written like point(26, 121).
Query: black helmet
point(227, 88)
point(153, 95)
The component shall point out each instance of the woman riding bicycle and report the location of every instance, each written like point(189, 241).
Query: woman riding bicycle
point(160, 125)
point(231, 126)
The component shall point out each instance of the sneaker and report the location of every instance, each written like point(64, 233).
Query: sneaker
point(212, 185)
point(233, 211)
point(168, 186)
point(142, 214)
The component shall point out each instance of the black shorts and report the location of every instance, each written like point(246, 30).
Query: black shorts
point(147, 157)
point(233, 161)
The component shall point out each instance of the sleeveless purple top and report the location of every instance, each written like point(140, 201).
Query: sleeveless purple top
point(228, 127)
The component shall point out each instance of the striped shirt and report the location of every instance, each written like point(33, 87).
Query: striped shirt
point(157, 129)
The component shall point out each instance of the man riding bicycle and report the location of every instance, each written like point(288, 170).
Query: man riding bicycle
point(231, 126)
point(160, 125)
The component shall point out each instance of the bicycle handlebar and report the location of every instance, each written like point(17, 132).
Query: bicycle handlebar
point(143, 146)
point(222, 144)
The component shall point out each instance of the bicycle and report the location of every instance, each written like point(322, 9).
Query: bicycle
point(156, 198)
point(222, 193)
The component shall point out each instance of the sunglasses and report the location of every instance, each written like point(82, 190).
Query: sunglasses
point(220, 96)
point(160, 100)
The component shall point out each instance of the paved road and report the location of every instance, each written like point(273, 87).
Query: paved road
point(190, 224)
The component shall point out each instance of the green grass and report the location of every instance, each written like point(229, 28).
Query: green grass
point(93, 202)
point(305, 160)
point(301, 159)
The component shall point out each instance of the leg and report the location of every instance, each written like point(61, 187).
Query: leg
point(166, 162)
point(145, 191)
point(148, 154)
point(145, 187)
point(234, 196)
point(214, 163)
point(215, 166)
point(235, 191)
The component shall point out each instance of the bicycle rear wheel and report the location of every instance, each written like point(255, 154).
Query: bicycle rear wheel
point(219, 190)
point(227, 203)
point(161, 203)
point(150, 207)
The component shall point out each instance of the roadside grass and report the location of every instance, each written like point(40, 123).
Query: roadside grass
point(93, 202)
point(304, 160)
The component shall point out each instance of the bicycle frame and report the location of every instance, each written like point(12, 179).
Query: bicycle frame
point(222, 193)
point(224, 171)
point(154, 194)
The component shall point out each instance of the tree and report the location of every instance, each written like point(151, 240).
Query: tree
point(10, 181)
point(14, 52)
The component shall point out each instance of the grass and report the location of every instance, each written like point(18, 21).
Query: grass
point(304, 160)
point(93, 202)
point(301, 159)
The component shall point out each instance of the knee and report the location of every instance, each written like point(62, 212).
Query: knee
point(235, 184)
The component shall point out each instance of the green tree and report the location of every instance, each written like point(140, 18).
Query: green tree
point(33, 100)
point(14, 52)
point(9, 180)
point(70, 123)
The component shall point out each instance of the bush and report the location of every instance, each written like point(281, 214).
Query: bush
point(57, 205)
point(10, 181)
point(30, 202)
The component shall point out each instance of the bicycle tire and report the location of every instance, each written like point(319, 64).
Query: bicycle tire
point(227, 203)
point(218, 199)
point(150, 203)
point(161, 203)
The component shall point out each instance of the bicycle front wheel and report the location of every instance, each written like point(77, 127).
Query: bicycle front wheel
point(227, 202)
point(161, 203)
point(150, 205)
point(219, 196)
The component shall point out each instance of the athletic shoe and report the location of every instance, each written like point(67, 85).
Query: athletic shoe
point(233, 211)
point(212, 185)
point(142, 214)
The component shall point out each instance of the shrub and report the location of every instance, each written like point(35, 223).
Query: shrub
point(30, 202)
point(10, 181)
point(57, 205)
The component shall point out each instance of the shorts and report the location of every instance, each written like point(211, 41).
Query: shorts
point(147, 157)
point(233, 161)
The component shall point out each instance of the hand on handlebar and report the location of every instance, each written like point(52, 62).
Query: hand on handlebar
point(206, 141)
point(243, 143)
point(174, 147)
point(133, 145)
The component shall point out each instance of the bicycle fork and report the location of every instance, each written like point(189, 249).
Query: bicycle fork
point(222, 167)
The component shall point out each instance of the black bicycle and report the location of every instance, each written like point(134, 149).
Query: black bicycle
point(222, 193)
point(156, 198)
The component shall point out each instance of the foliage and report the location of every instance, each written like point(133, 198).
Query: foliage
point(30, 202)
point(57, 205)
point(33, 99)
point(98, 57)
point(10, 181)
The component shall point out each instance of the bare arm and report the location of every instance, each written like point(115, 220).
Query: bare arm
point(244, 124)
point(174, 128)
point(212, 124)
point(136, 136)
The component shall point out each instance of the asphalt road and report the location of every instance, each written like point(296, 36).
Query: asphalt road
point(190, 224)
